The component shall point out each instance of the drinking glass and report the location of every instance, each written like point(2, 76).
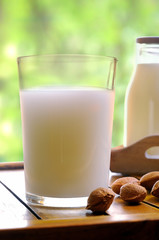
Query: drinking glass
point(67, 104)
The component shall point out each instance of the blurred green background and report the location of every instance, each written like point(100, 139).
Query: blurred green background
point(103, 27)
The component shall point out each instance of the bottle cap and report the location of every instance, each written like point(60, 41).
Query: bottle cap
point(147, 40)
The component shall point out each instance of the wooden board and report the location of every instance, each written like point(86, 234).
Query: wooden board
point(121, 221)
point(134, 158)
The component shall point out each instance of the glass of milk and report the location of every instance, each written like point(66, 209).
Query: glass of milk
point(67, 104)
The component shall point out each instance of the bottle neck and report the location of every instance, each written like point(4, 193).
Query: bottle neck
point(147, 53)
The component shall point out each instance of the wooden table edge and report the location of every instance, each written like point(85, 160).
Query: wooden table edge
point(116, 227)
point(80, 222)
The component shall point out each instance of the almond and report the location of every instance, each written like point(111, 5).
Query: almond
point(100, 199)
point(149, 179)
point(155, 189)
point(133, 193)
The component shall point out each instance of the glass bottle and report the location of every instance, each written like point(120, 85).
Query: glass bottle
point(142, 95)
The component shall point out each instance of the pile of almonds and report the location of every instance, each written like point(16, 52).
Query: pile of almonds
point(130, 190)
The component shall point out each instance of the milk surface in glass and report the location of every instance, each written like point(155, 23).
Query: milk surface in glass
point(142, 104)
point(66, 140)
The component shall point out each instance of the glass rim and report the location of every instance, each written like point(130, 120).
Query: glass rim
point(69, 56)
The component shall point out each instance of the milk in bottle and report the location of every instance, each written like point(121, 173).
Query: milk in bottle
point(142, 96)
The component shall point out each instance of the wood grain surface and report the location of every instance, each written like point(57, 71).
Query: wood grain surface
point(122, 220)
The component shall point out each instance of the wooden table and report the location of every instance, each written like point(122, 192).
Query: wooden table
point(122, 221)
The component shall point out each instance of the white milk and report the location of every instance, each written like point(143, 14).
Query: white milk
point(142, 104)
point(66, 140)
